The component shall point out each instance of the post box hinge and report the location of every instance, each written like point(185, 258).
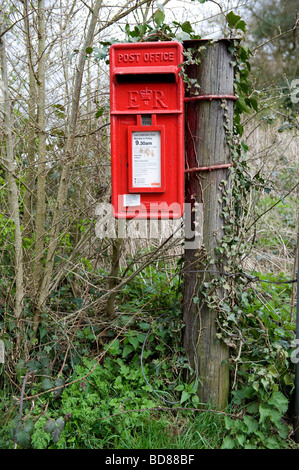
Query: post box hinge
point(209, 168)
point(210, 98)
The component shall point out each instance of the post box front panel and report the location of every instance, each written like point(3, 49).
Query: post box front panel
point(147, 131)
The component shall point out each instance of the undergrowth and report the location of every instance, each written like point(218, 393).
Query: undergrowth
point(133, 394)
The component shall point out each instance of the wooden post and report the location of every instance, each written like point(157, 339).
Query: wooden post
point(206, 146)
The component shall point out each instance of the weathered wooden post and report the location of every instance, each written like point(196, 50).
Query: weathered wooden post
point(207, 163)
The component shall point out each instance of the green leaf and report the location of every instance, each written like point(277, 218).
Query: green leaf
point(100, 112)
point(45, 361)
point(47, 384)
point(29, 426)
point(22, 438)
point(33, 365)
point(251, 423)
point(141, 337)
point(186, 27)
point(254, 103)
point(242, 105)
point(127, 350)
point(113, 348)
point(252, 408)
point(228, 443)
point(185, 396)
point(229, 423)
point(100, 53)
point(59, 383)
point(159, 17)
point(183, 36)
point(279, 401)
point(56, 432)
point(272, 443)
point(49, 426)
point(232, 18)
point(179, 388)
point(134, 341)
point(241, 25)
point(241, 438)
point(267, 411)
point(88, 50)
point(195, 400)
point(144, 326)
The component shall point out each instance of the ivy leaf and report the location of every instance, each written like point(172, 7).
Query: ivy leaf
point(254, 103)
point(186, 27)
point(242, 105)
point(232, 18)
point(100, 52)
point(88, 50)
point(241, 25)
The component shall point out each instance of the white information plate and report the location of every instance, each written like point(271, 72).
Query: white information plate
point(146, 159)
point(131, 200)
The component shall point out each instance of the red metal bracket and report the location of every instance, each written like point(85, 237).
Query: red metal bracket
point(210, 98)
point(209, 168)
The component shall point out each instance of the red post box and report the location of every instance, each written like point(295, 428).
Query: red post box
point(147, 130)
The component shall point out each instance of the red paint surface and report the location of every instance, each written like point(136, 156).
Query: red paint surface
point(145, 81)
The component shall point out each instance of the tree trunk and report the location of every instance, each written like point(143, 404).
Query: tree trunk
point(41, 165)
point(13, 193)
point(27, 222)
point(206, 145)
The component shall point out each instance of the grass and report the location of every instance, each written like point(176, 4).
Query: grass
point(203, 430)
